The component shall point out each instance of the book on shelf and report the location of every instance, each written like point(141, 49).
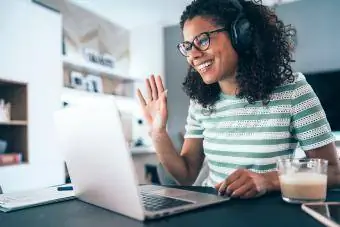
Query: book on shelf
point(10, 159)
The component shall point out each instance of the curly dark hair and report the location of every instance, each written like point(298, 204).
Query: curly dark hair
point(262, 68)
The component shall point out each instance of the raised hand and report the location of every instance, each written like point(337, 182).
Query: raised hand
point(154, 106)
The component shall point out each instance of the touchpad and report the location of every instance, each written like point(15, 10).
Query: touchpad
point(172, 192)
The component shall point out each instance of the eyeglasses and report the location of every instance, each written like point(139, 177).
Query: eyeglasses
point(201, 42)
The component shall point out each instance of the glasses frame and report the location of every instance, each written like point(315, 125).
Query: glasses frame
point(192, 43)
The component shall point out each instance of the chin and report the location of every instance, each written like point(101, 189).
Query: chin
point(207, 79)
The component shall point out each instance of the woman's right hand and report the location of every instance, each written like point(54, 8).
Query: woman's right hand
point(154, 106)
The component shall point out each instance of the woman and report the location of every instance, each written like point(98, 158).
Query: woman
point(247, 107)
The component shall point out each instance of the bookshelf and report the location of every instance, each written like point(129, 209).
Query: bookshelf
point(15, 130)
point(112, 81)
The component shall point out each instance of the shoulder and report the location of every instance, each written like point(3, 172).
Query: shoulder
point(299, 81)
point(298, 77)
point(292, 89)
point(194, 106)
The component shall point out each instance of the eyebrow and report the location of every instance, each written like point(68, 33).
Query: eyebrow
point(194, 37)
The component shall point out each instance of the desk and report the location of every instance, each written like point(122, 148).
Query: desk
point(268, 210)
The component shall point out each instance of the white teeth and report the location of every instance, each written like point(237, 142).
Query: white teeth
point(202, 67)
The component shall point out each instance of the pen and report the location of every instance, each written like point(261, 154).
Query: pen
point(65, 188)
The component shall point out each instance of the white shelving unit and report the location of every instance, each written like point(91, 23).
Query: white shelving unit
point(80, 64)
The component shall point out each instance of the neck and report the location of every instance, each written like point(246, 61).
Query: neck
point(229, 85)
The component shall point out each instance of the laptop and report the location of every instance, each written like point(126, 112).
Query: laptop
point(102, 170)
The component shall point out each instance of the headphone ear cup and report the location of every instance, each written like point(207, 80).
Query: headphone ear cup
point(241, 34)
point(233, 36)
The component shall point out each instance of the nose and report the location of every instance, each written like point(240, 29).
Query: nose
point(194, 53)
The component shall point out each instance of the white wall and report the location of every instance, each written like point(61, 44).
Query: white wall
point(146, 58)
point(318, 46)
point(30, 44)
point(146, 51)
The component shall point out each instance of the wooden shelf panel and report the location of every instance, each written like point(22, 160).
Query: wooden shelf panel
point(20, 123)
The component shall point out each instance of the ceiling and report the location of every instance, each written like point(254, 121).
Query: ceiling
point(136, 13)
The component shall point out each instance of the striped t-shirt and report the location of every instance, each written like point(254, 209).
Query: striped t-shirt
point(253, 136)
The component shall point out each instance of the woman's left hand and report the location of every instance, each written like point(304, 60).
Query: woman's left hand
point(244, 184)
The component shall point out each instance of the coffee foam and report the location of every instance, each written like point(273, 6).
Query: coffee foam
point(303, 178)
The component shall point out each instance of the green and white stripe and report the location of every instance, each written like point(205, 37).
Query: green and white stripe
point(253, 136)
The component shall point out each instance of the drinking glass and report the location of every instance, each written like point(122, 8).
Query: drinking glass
point(303, 180)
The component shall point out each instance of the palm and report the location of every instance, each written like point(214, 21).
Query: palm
point(155, 108)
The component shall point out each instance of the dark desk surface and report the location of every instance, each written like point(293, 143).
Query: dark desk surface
point(268, 210)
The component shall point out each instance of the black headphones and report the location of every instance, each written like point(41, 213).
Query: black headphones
point(240, 30)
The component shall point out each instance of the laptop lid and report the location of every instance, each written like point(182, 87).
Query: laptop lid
point(98, 160)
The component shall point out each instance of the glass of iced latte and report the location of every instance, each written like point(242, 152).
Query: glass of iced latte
point(303, 180)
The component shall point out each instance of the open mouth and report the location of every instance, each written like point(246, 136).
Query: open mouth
point(204, 66)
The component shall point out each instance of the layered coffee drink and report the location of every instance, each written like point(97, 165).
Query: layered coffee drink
point(303, 186)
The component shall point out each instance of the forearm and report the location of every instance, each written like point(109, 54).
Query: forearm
point(328, 152)
point(171, 160)
point(333, 176)
point(272, 181)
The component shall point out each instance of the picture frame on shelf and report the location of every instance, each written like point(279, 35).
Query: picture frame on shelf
point(77, 80)
point(94, 83)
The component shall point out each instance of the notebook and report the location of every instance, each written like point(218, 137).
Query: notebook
point(21, 200)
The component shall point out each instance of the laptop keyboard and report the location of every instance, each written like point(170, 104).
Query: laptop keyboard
point(156, 202)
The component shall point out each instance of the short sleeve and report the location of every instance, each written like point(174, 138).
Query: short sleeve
point(309, 123)
point(193, 127)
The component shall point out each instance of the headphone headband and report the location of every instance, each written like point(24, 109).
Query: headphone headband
point(241, 32)
point(238, 5)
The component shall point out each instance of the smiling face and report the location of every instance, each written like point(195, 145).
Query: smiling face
point(219, 61)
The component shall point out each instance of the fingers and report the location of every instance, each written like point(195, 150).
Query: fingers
point(148, 89)
point(159, 85)
point(243, 189)
point(249, 194)
point(217, 186)
point(237, 184)
point(141, 98)
point(143, 103)
point(154, 87)
point(163, 106)
point(234, 176)
point(222, 187)
point(154, 91)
